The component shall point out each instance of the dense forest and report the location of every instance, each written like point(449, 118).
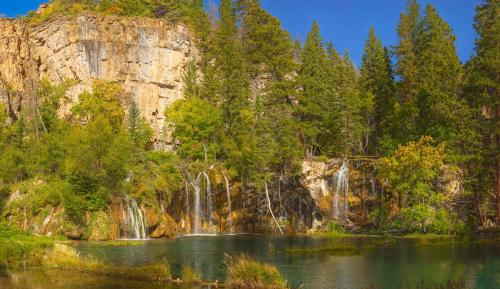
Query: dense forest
point(257, 103)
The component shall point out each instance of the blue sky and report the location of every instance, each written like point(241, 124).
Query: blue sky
point(344, 22)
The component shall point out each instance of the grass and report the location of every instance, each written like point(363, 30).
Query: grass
point(189, 275)
point(65, 257)
point(243, 272)
point(16, 244)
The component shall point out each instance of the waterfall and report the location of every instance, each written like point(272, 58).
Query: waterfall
point(195, 183)
point(209, 201)
point(341, 180)
point(133, 220)
point(229, 216)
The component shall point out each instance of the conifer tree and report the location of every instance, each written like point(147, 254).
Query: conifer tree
point(240, 142)
point(316, 91)
point(482, 94)
point(377, 81)
point(270, 61)
point(439, 78)
point(407, 69)
point(352, 105)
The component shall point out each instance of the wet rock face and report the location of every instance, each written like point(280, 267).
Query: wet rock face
point(147, 56)
point(321, 182)
point(313, 179)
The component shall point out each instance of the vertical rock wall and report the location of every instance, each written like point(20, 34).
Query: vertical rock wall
point(147, 56)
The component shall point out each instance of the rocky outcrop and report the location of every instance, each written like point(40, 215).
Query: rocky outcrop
point(320, 179)
point(313, 179)
point(147, 56)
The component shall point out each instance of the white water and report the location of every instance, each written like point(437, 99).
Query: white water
point(209, 200)
point(195, 183)
point(341, 180)
point(133, 220)
point(229, 216)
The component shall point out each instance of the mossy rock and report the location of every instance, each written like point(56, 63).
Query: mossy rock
point(166, 227)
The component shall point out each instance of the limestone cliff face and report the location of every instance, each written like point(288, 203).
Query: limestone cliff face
point(147, 56)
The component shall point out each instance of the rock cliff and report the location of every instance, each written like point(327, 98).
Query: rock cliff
point(147, 56)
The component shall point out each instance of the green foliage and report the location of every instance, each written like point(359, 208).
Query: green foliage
point(409, 173)
point(335, 228)
point(17, 244)
point(408, 69)
point(377, 82)
point(104, 100)
point(316, 98)
point(481, 94)
point(139, 130)
point(257, 104)
point(197, 124)
point(159, 175)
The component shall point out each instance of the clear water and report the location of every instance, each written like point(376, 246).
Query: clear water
point(381, 265)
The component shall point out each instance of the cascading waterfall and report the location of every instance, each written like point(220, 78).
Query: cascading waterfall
point(372, 183)
point(133, 220)
point(209, 200)
point(229, 217)
point(341, 180)
point(195, 183)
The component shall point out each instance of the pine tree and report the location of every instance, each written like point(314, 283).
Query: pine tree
point(407, 68)
point(351, 104)
point(439, 78)
point(139, 130)
point(316, 93)
point(482, 94)
point(377, 80)
point(233, 93)
point(269, 52)
point(267, 45)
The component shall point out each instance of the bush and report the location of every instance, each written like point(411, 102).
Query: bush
point(335, 228)
point(74, 206)
point(243, 271)
point(189, 275)
point(426, 219)
point(414, 219)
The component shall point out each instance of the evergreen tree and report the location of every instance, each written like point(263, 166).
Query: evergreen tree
point(407, 68)
point(482, 94)
point(354, 109)
point(439, 79)
point(377, 80)
point(239, 140)
point(316, 95)
point(139, 130)
point(270, 60)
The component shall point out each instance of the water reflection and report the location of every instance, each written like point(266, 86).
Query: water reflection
point(373, 263)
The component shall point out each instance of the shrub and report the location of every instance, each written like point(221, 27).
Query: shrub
point(243, 271)
point(335, 228)
point(74, 206)
point(190, 275)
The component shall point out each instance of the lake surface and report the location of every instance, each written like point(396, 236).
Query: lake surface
point(373, 262)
